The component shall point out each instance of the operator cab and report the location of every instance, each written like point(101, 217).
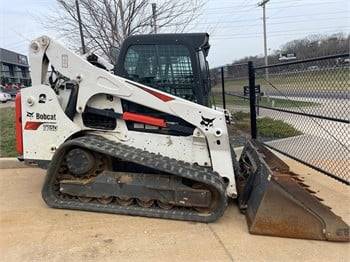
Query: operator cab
point(173, 63)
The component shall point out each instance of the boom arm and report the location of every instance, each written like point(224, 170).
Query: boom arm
point(93, 80)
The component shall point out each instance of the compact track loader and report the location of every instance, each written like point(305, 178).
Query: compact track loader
point(111, 144)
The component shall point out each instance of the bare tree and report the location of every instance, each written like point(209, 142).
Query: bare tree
point(106, 23)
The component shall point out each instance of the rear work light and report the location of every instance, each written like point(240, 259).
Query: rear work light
point(18, 121)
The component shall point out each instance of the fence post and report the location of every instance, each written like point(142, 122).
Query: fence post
point(251, 74)
point(223, 87)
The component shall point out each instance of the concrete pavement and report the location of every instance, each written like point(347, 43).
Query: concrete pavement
point(11, 162)
point(30, 231)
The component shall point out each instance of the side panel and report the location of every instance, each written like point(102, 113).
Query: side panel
point(44, 124)
point(191, 149)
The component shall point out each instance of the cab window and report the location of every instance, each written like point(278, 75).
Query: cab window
point(164, 67)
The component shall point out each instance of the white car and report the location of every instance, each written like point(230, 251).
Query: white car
point(4, 97)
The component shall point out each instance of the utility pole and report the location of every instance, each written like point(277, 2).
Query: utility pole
point(154, 17)
point(263, 3)
point(80, 28)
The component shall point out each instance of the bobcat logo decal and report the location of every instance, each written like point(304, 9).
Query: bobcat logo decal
point(207, 121)
point(30, 114)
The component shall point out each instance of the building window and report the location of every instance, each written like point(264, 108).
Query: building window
point(6, 70)
point(24, 74)
point(22, 59)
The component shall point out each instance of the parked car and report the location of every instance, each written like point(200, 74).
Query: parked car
point(12, 92)
point(4, 97)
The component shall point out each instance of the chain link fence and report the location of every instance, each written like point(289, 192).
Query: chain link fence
point(300, 109)
point(230, 80)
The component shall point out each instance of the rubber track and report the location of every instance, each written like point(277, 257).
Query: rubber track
point(140, 157)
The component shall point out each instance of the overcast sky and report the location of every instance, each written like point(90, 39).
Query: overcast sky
point(235, 26)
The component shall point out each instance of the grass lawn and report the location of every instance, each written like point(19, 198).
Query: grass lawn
point(329, 79)
point(7, 130)
point(268, 128)
point(264, 101)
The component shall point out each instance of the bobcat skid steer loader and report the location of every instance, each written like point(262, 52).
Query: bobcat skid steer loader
point(173, 161)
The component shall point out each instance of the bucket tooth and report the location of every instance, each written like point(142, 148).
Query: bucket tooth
point(318, 198)
point(310, 191)
point(302, 184)
point(277, 205)
point(295, 175)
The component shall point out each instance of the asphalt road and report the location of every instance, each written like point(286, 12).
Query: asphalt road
point(30, 231)
point(320, 94)
point(339, 94)
point(326, 107)
point(334, 108)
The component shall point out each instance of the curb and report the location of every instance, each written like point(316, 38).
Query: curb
point(11, 162)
